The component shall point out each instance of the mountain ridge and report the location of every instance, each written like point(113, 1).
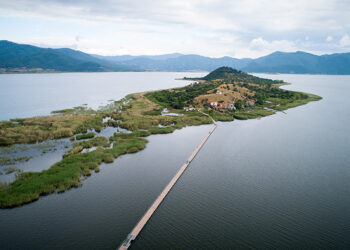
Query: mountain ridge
point(15, 58)
point(22, 58)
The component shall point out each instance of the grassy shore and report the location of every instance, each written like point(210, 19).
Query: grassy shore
point(281, 104)
point(252, 114)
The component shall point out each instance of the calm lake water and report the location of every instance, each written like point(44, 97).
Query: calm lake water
point(280, 182)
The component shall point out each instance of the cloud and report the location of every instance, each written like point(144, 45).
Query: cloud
point(208, 27)
point(270, 15)
point(259, 44)
point(345, 41)
point(329, 38)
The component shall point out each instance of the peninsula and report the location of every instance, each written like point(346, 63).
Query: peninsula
point(223, 95)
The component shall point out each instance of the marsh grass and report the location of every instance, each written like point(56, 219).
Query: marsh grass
point(153, 112)
point(73, 111)
point(44, 145)
point(85, 136)
point(284, 104)
point(252, 113)
point(112, 123)
point(221, 116)
point(63, 111)
point(95, 142)
point(11, 170)
point(73, 151)
point(13, 149)
point(63, 175)
point(43, 128)
point(5, 160)
point(3, 186)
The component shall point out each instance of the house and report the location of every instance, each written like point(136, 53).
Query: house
point(188, 109)
point(213, 103)
point(231, 106)
point(222, 106)
point(250, 102)
point(218, 92)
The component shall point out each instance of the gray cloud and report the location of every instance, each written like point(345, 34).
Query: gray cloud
point(250, 27)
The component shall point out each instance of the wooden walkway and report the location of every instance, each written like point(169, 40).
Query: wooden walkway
point(137, 229)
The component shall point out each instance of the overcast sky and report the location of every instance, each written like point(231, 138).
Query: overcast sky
point(215, 28)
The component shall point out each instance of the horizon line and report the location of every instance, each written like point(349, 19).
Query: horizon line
point(172, 53)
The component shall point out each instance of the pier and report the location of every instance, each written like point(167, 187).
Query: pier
point(139, 226)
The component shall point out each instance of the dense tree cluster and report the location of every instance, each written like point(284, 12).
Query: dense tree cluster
point(232, 75)
point(179, 98)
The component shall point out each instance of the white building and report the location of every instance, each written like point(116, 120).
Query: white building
point(213, 103)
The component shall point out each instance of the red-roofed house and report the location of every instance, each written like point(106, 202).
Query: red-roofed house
point(251, 102)
point(213, 103)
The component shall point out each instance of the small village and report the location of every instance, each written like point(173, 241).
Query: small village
point(228, 101)
point(228, 106)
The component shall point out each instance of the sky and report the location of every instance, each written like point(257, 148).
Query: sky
point(214, 28)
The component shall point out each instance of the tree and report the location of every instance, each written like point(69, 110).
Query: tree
point(260, 101)
point(239, 104)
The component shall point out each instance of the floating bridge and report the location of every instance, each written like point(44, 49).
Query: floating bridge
point(142, 222)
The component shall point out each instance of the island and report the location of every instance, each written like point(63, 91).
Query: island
point(223, 95)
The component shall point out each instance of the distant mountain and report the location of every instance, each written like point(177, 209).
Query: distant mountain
point(124, 58)
point(301, 63)
point(107, 64)
point(185, 63)
point(26, 58)
point(278, 62)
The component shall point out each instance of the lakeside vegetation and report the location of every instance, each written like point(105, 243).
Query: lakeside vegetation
point(4, 160)
point(65, 174)
point(85, 136)
point(38, 129)
point(142, 115)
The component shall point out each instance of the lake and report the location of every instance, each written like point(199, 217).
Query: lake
point(277, 182)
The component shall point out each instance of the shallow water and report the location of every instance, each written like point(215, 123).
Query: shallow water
point(43, 154)
point(277, 182)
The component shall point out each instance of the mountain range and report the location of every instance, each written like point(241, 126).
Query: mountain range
point(27, 58)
